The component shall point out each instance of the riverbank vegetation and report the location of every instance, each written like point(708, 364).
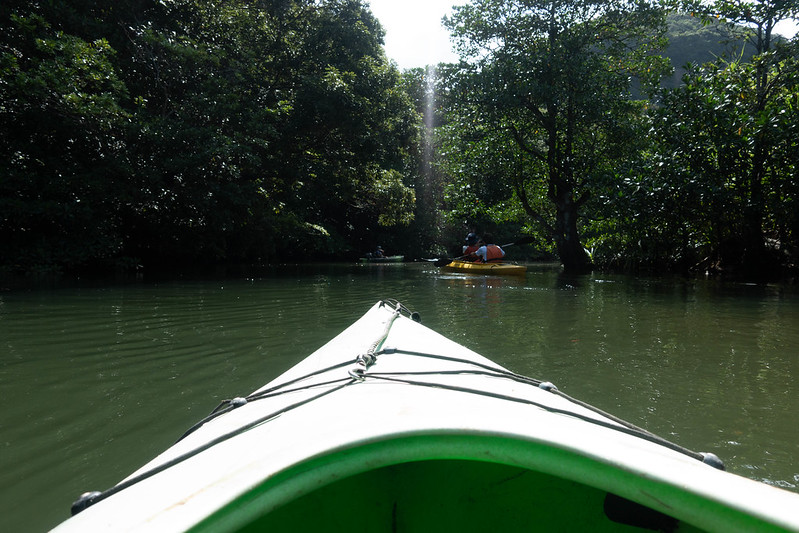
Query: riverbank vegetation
point(624, 135)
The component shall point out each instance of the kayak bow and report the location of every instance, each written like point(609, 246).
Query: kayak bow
point(390, 426)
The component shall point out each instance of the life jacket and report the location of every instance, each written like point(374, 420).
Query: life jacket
point(468, 250)
point(493, 252)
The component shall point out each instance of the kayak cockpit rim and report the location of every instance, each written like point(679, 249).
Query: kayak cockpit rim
point(592, 474)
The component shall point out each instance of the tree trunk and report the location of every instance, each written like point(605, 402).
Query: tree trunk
point(572, 254)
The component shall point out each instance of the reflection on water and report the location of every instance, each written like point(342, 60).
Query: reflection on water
point(96, 381)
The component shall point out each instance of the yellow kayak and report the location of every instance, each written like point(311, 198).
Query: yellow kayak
point(486, 268)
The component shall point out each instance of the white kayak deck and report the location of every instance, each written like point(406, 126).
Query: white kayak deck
point(330, 419)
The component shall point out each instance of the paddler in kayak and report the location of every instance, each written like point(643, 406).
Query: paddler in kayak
point(472, 245)
point(486, 252)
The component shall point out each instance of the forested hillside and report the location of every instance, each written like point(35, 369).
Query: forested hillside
point(692, 43)
point(145, 133)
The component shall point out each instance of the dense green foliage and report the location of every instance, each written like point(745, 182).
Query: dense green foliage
point(197, 130)
point(716, 189)
point(153, 132)
point(551, 84)
point(547, 131)
point(715, 186)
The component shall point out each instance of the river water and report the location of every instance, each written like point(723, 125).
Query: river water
point(96, 380)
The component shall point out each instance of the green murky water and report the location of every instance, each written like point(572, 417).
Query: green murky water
point(95, 381)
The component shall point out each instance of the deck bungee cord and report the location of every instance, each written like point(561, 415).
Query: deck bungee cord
point(90, 498)
point(365, 360)
point(233, 403)
point(360, 371)
point(629, 429)
point(505, 373)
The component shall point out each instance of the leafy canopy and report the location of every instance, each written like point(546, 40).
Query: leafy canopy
point(556, 79)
